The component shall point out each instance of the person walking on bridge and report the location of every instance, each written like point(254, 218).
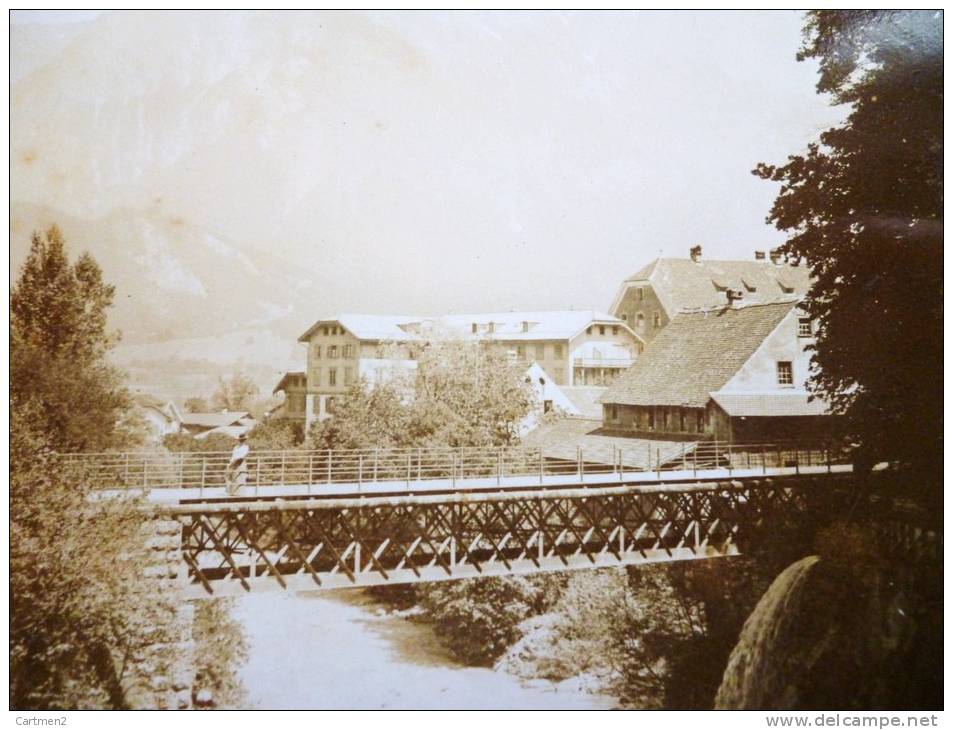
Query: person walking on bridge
point(237, 471)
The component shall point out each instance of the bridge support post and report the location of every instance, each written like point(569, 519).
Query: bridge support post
point(160, 674)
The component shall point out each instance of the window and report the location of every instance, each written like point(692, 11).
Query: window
point(333, 352)
point(640, 294)
point(613, 412)
point(547, 406)
point(473, 328)
point(602, 329)
point(329, 405)
point(615, 329)
point(640, 321)
point(804, 328)
point(657, 320)
point(332, 377)
point(682, 419)
point(521, 352)
point(540, 352)
point(317, 351)
point(348, 375)
point(316, 378)
point(625, 318)
point(324, 331)
point(651, 419)
point(558, 351)
point(785, 373)
point(348, 351)
point(588, 330)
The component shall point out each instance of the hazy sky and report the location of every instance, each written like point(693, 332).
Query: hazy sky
point(421, 162)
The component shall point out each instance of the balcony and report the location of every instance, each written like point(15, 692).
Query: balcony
point(603, 362)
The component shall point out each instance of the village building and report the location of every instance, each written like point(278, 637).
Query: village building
point(229, 423)
point(649, 299)
point(294, 387)
point(161, 417)
point(572, 348)
point(734, 373)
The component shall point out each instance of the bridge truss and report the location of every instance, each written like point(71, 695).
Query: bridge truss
point(311, 544)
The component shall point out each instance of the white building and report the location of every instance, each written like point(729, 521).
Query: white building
point(572, 348)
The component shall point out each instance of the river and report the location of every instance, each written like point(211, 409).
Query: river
point(344, 650)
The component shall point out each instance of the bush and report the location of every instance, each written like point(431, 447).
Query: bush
point(220, 649)
point(479, 618)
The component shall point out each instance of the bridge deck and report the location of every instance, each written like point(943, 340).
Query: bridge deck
point(173, 495)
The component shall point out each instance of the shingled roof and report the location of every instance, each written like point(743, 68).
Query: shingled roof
point(685, 284)
point(555, 325)
point(696, 354)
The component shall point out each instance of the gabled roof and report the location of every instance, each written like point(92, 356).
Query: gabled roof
point(380, 327)
point(554, 325)
point(585, 398)
point(214, 420)
point(695, 355)
point(793, 403)
point(686, 284)
point(166, 408)
point(230, 431)
point(286, 380)
point(569, 438)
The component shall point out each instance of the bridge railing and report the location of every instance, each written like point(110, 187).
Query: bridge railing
point(455, 466)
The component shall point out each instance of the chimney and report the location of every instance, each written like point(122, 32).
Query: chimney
point(759, 255)
point(734, 295)
point(695, 252)
point(776, 256)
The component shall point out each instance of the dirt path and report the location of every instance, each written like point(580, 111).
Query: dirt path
point(341, 650)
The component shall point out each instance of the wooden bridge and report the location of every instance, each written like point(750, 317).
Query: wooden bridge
point(318, 520)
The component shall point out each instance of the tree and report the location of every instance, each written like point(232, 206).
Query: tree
point(275, 435)
point(196, 404)
point(81, 611)
point(237, 393)
point(460, 394)
point(864, 207)
point(58, 345)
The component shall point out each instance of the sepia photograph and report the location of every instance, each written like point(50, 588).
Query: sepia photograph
point(477, 360)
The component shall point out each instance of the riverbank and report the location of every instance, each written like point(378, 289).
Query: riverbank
point(344, 650)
